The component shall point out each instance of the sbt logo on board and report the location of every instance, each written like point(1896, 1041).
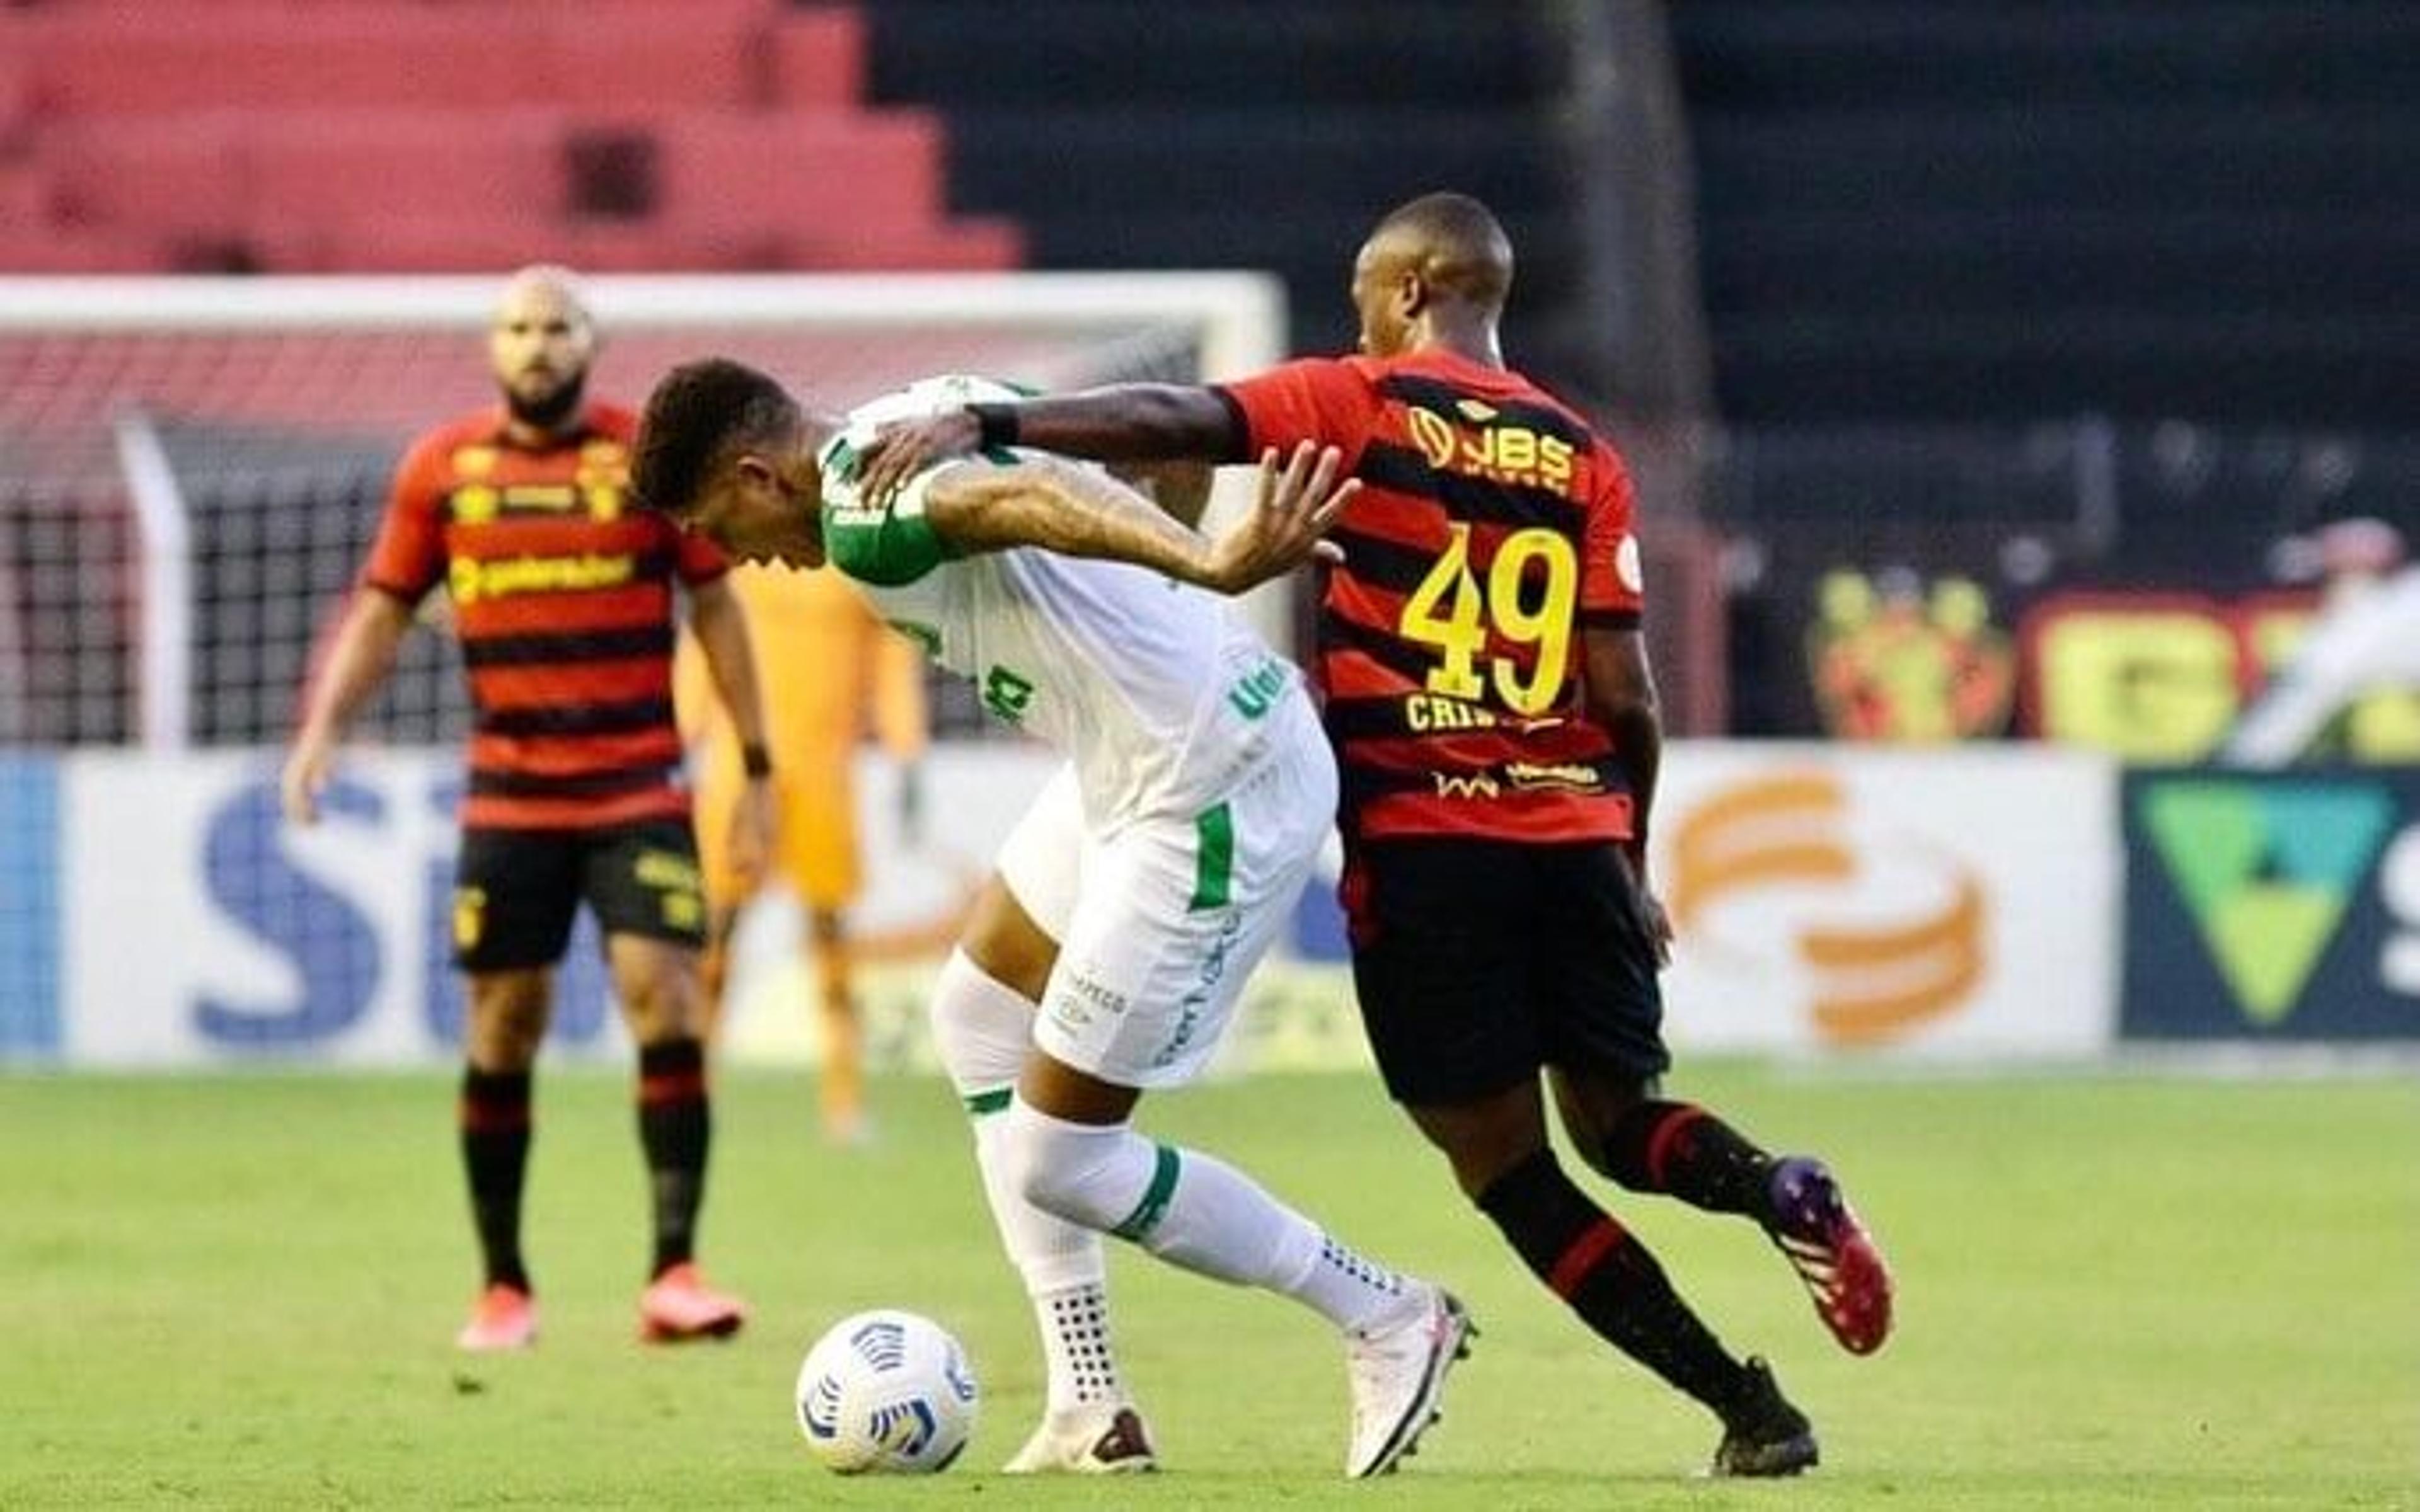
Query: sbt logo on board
point(2302, 896)
point(350, 922)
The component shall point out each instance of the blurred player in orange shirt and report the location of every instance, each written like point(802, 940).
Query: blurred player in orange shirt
point(863, 677)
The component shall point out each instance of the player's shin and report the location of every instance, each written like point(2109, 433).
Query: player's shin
point(1682, 1151)
point(1609, 1279)
point(982, 1028)
point(1196, 1211)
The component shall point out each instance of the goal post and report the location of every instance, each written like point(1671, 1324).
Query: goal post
point(191, 468)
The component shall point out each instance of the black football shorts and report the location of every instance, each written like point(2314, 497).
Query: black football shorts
point(1479, 961)
point(517, 891)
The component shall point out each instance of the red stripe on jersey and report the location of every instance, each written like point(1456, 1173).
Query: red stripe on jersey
point(1491, 517)
point(546, 756)
point(501, 688)
point(483, 811)
point(613, 608)
point(1558, 818)
point(563, 599)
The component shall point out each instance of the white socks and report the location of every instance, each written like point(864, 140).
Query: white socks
point(1193, 1211)
point(1056, 1187)
point(982, 1029)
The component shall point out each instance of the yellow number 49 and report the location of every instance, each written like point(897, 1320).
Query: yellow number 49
point(1448, 610)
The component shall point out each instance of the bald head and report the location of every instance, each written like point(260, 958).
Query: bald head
point(1458, 245)
point(549, 284)
point(540, 345)
point(1435, 272)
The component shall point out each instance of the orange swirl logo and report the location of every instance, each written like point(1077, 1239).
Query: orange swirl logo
point(1870, 982)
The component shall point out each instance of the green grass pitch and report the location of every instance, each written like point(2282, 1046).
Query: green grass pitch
point(2115, 1292)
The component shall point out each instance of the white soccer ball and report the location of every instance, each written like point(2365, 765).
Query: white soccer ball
point(886, 1391)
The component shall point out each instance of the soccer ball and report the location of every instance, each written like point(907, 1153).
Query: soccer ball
point(886, 1391)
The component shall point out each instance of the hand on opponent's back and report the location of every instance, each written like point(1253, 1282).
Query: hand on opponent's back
point(904, 448)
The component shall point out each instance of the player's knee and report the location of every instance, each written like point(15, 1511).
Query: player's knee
point(981, 1027)
point(1069, 1170)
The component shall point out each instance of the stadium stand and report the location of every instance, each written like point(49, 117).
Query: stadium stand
point(1214, 134)
point(398, 135)
point(1966, 213)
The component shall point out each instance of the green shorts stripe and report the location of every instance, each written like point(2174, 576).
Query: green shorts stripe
point(1214, 860)
point(980, 1104)
point(1154, 1205)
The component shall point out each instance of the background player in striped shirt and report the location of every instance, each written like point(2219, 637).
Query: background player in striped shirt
point(1201, 788)
point(562, 598)
point(1487, 690)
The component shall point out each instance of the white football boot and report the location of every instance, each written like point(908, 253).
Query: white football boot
point(1398, 1368)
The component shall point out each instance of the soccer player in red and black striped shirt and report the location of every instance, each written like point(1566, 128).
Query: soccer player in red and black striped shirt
point(1487, 690)
point(563, 598)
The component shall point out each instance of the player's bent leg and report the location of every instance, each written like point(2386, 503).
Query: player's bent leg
point(983, 1030)
point(1403, 1334)
point(1601, 1272)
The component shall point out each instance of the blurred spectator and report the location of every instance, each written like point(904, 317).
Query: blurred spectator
point(2365, 642)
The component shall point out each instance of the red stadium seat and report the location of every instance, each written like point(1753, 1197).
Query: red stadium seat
point(975, 245)
point(765, 173)
point(406, 134)
point(169, 177)
point(819, 57)
point(105, 59)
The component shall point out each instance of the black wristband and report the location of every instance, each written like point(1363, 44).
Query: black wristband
point(996, 425)
point(755, 760)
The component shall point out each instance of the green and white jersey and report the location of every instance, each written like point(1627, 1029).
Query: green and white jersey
point(1159, 696)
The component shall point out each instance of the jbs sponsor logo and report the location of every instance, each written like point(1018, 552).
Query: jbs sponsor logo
point(1476, 444)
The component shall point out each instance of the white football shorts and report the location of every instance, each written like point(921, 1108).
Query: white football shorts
point(1171, 913)
point(1042, 861)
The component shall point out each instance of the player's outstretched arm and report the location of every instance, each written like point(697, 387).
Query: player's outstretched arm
point(1122, 422)
point(1077, 512)
point(359, 660)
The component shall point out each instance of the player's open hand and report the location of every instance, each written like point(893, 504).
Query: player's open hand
point(1659, 927)
point(904, 448)
point(1298, 504)
point(756, 829)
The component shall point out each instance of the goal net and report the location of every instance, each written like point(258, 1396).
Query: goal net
point(190, 470)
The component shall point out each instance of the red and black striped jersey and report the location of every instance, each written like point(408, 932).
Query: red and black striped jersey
point(562, 600)
point(1492, 523)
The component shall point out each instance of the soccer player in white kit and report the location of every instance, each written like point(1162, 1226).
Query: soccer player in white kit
point(1203, 788)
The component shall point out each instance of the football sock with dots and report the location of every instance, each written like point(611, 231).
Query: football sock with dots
point(1191, 1209)
point(675, 1125)
point(493, 1114)
point(1608, 1277)
point(1682, 1151)
point(1076, 1344)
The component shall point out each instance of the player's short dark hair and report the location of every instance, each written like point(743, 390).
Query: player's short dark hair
point(698, 413)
